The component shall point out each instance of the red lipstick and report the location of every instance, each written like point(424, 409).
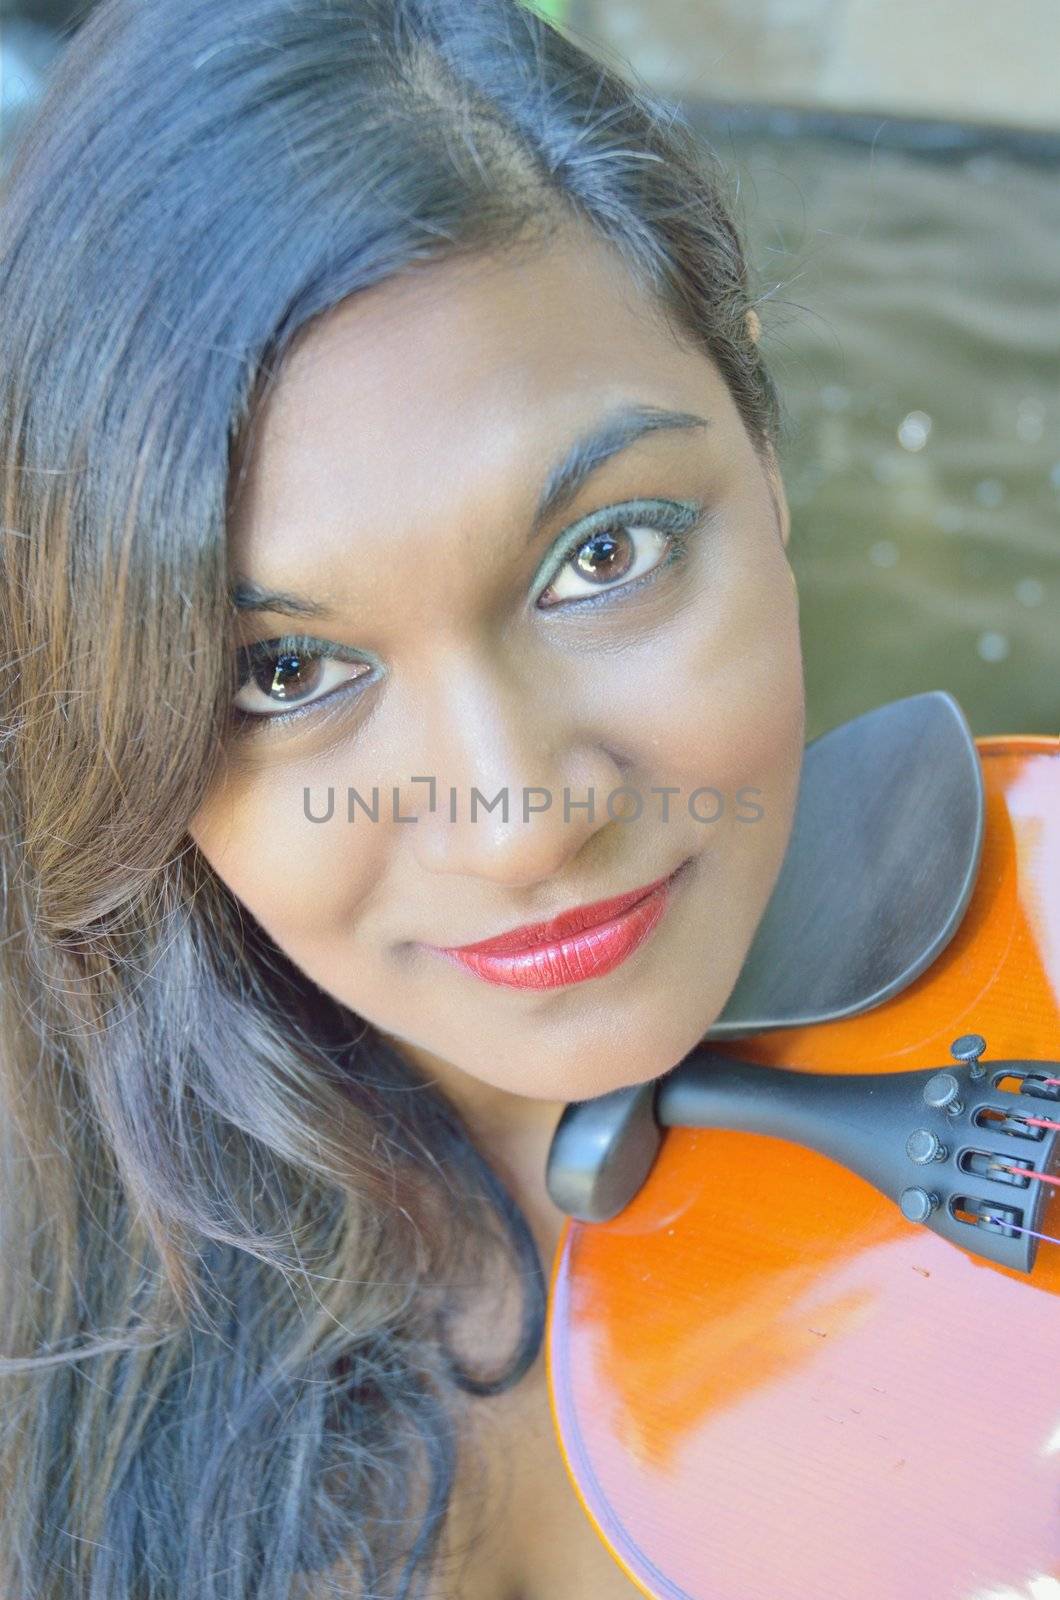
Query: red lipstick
point(583, 943)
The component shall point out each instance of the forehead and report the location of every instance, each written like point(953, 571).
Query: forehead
point(470, 371)
point(524, 323)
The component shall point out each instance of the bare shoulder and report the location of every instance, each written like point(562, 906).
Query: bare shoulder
point(515, 1528)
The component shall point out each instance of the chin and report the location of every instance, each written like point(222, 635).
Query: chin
point(610, 1063)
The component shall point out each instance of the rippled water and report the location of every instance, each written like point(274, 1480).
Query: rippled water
point(913, 323)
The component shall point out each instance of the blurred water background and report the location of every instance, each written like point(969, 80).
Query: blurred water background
point(907, 272)
point(912, 321)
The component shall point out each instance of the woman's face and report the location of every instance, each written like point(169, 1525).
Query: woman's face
point(395, 482)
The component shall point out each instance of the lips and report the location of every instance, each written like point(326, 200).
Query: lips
point(558, 927)
point(585, 942)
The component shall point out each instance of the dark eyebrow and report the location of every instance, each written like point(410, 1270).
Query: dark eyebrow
point(246, 596)
point(615, 431)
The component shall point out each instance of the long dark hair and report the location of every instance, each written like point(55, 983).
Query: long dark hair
point(228, 1259)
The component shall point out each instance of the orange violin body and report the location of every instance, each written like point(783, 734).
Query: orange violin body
point(802, 1394)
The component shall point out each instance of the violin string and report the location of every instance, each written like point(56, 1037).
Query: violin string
point(1048, 1237)
point(1024, 1172)
point(1052, 1080)
point(1040, 1122)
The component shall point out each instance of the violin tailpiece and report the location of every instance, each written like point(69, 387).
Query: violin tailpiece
point(964, 1150)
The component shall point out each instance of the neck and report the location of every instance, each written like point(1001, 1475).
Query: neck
point(513, 1131)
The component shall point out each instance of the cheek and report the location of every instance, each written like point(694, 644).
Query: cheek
point(726, 713)
point(723, 705)
point(298, 877)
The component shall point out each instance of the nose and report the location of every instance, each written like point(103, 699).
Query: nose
point(518, 785)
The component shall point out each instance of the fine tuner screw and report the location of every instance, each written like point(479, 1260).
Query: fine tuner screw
point(942, 1093)
point(917, 1204)
point(968, 1048)
point(923, 1146)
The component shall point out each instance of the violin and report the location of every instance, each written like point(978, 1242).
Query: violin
point(804, 1318)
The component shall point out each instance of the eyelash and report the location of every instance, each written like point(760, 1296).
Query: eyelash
point(680, 519)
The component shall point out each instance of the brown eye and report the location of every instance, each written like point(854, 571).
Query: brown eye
point(607, 558)
point(292, 676)
point(277, 677)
